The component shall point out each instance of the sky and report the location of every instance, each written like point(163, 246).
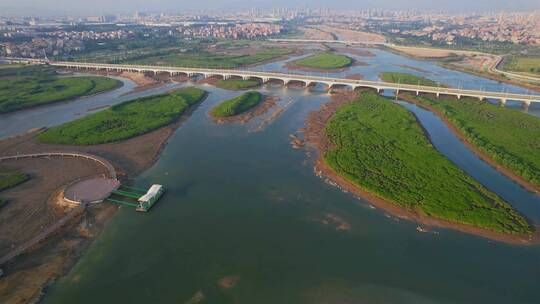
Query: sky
point(85, 7)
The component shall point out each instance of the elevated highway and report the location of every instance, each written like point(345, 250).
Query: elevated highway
point(503, 97)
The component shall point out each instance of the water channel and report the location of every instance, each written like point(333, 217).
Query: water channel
point(242, 204)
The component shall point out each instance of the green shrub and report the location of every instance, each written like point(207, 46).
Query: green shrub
point(326, 60)
point(237, 105)
point(379, 146)
point(126, 120)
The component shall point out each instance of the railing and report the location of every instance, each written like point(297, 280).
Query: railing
point(379, 85)
point(103, 162)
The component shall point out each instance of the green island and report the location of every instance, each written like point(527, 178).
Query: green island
point(10, 179)
point(380, 147)
point(326, 61)
point(237, 105)
point(126, 120)
point(210, 60)
point(406, 78)
point(28, 86)
point(237, 84)
point(511, 138)
point(525, 64)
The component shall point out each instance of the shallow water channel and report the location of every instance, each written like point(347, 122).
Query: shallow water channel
point(242, 204)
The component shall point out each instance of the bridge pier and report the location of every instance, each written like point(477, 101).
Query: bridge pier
point(503, 102)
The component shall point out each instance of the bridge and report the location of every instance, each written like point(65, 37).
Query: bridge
point(307, 80)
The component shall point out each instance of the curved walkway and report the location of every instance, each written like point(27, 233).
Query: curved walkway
point(100, 160)
point(70, 215)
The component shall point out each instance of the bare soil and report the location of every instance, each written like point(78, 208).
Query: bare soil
point(315, 136)
point(33, 205)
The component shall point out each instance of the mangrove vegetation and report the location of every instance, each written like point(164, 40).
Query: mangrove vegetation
point(379, 146)
point(406, 78)
point(126, 120)
point(237, 105)
point(237, 84)
point(327, 61)
point(28, 86)
point(511, 138)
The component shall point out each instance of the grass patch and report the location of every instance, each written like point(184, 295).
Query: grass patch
point(526, 64)
point(326, 60)
point(212, 60)
point(380, 146)
point(509, 137)
point(237, 105)
point(126, 120)
point(405, 78)
point(12, 179)
point(237, 84)
point(29, 86)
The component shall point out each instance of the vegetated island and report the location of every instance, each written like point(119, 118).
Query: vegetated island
point(42, 194)
point(327, 61)
point(378, 150)
point(405, 78)
point(237, 105)
point(242, 108)
point(507, 139)
point(23, 87)
point(237, 84)
point(125, 120)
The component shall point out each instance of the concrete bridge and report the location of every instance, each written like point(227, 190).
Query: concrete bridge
point(306, 80)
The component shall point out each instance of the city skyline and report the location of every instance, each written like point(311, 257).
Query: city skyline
point(60, 7)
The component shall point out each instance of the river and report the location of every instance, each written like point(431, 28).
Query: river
point(242, 204)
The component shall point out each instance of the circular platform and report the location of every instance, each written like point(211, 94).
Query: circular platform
point(94, 190)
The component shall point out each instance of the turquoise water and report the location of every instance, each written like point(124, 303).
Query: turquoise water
point(242, 203)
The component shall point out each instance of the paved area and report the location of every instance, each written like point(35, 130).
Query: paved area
point(91, 190)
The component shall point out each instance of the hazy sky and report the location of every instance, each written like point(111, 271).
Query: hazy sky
point(114, 6)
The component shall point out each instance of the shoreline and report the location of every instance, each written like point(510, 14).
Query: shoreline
point(129, 157)
point(316, 138)
point(481, 154)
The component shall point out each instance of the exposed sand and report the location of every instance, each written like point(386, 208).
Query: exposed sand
point(352, 35)
point(316, 34)
point(315, 136)
point(425, 53)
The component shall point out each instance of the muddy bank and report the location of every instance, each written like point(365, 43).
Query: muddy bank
point(33, 205)
point(481, 154)
point(315, 136)
point(262, 108)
